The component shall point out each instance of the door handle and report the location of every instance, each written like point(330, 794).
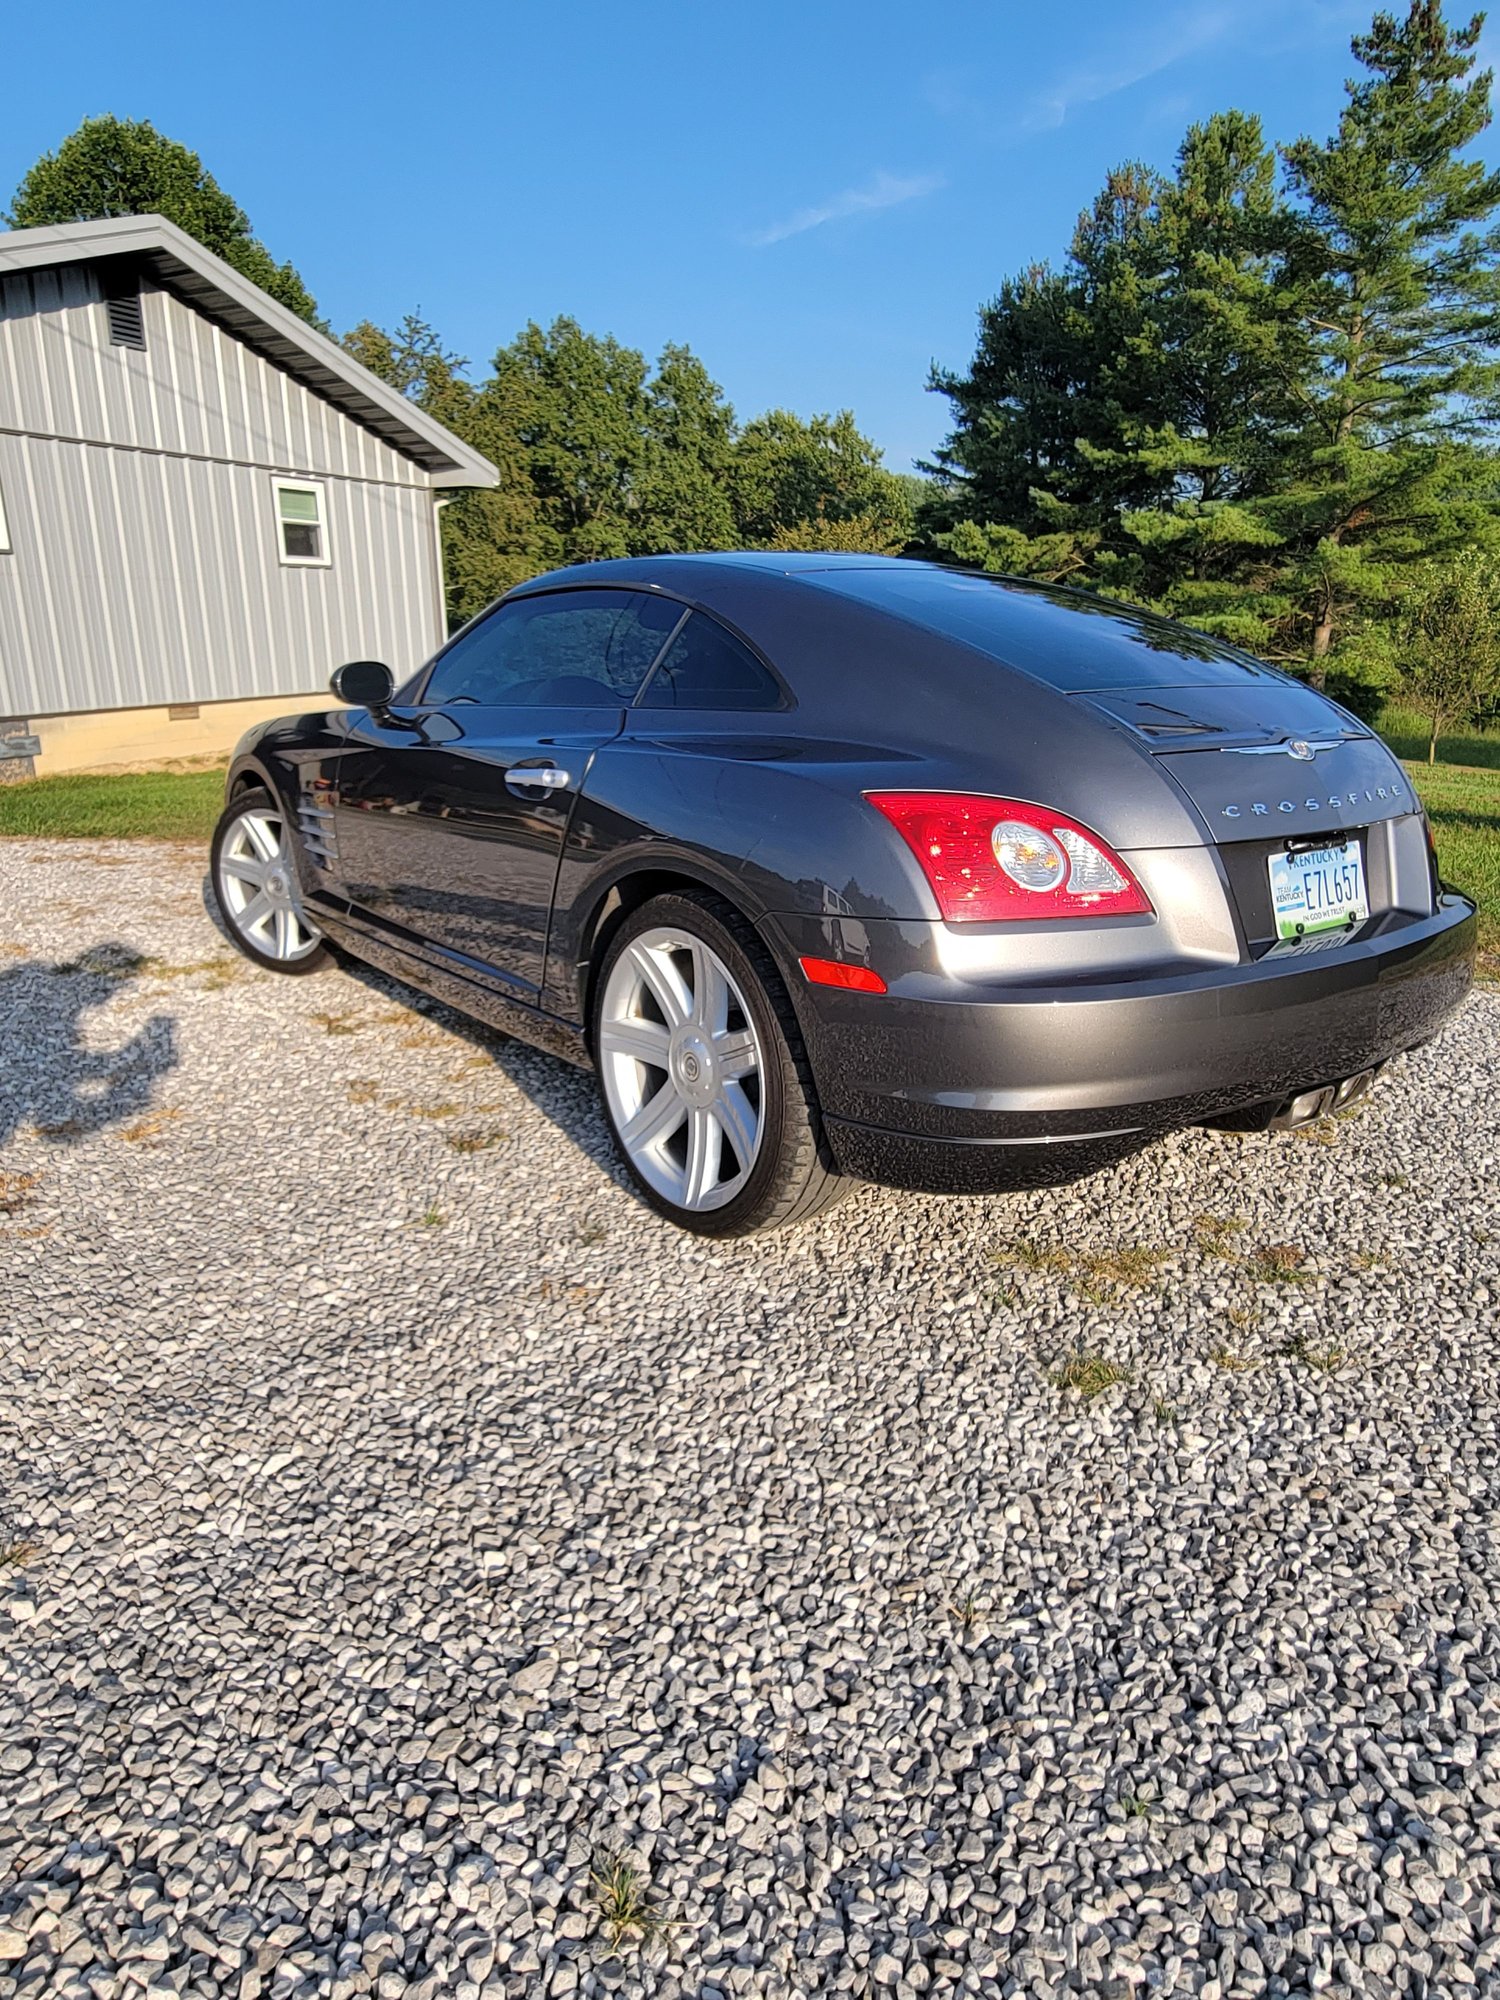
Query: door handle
point(524, 778)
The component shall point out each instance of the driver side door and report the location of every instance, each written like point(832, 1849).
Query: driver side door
point(453, 807)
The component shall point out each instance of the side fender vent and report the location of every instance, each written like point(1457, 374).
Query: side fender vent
point(315, 825)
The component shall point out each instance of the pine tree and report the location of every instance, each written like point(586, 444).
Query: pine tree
point(1118, 411)
point(1394, 267)
point(1049, 414)
point(1257, 406)
point(1219, 401)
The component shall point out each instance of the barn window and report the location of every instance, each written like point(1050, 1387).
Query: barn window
point(300, 523)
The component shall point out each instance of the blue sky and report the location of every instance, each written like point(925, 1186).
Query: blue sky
point(815, 197)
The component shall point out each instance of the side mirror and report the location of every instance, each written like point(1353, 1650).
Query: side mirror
point(363, 683)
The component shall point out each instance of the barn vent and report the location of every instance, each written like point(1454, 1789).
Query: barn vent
point(127, 325)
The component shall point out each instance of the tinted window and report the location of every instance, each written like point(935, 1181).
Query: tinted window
point(1072, 641)
point(706, 667)
point(570, 649)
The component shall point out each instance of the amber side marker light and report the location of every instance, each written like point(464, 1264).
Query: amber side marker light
point(853, 978)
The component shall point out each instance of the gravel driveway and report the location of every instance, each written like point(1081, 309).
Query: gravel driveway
point(399, 1522)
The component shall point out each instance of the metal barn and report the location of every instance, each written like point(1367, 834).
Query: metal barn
point(205, 504)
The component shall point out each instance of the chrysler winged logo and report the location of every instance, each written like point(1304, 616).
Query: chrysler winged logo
point(1299, 748)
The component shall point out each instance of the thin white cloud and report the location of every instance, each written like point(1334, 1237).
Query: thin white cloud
point(882, 190)
point(950, 93)
point(1183, 36)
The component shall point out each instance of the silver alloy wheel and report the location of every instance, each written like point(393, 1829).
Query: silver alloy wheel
point(680, 1062)
point(258, 888)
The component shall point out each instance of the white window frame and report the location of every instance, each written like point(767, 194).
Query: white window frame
point(280, 485)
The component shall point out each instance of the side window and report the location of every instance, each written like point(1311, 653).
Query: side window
point(569, 649)
point(707, 667)
point(301, 532)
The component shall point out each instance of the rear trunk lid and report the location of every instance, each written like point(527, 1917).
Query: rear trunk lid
point(1268, 759)
point(1273, 766)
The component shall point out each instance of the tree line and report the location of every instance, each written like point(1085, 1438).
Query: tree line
point(602, 454)
point(599, 452)
point(1258, 393)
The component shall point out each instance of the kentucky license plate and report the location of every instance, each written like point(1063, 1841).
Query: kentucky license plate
point(1318, 889)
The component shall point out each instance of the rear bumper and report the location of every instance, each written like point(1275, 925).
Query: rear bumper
point(1052, 1081)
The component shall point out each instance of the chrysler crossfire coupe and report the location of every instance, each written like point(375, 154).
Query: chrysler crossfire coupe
point(839, 867)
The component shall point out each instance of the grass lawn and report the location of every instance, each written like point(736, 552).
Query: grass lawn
point(1462, 795)
point(133, 805)
point(1407, 735)
point(1463, 799)
point(1464, 806)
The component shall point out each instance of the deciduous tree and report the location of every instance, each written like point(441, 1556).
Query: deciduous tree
point(1450, 642)
point(115, 166)
point(601, 455)
point(794, 476)
point(684, 499)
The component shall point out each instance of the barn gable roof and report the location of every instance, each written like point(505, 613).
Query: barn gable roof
point(180, 263)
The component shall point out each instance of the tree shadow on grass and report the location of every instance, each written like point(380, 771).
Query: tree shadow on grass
point(52, 1078)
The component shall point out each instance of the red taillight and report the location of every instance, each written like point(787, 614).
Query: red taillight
point(853, 978)
point(992, 859)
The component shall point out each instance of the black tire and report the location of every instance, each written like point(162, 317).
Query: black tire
point(256, 798)
point(794, 1176)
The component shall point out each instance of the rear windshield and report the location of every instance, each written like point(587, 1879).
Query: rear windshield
point(1075, 643)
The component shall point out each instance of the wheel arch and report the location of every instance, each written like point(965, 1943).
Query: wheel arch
point(248, 776)
point(615, 900)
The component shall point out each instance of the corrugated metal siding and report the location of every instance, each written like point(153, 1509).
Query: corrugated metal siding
point(137, 486)
point(195, 389)
point(136, 579)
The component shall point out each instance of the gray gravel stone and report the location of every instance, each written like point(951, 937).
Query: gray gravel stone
point(400, 1523)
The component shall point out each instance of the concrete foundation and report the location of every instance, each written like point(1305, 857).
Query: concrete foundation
point(43, 746)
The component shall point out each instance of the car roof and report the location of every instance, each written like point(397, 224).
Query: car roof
point(1071, 640)
point(648, 570)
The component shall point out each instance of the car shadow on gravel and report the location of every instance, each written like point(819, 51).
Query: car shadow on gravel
point(54, 1077)
point(560, 1091)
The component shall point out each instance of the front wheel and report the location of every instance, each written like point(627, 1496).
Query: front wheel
point(705, 1080)
point(255, 880)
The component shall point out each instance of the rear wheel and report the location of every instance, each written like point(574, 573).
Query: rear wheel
point(255, 880)
point(705, 1080)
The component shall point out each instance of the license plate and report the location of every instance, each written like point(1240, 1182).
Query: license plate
point(1318, 889)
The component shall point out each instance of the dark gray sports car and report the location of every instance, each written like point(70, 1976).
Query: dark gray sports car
point(835, 867)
